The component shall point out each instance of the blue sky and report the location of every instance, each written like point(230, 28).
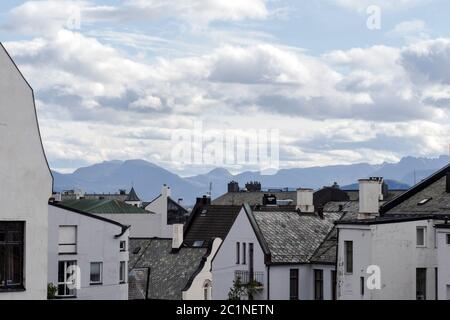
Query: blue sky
point(114, 78)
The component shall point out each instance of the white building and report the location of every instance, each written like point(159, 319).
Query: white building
point(26, 186)
point(90, 249)
point(280, 250)
point(402, 252)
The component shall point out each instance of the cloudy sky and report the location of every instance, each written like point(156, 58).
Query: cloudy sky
point(113, 79)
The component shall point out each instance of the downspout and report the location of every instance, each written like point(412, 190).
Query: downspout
point(268, 282)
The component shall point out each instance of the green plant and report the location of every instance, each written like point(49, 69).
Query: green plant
point(237, 290)
point(51, 291)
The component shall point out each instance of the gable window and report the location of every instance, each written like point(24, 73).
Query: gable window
point(67, 243)
point(11, 255)
point(122, 272)
point(293, 284)
point(348, 256)
point(421, 236)
point(244, 253)
point(238, 252)
point(318, 284)
point(67, 273)
point(123, 246)
point(96, 272)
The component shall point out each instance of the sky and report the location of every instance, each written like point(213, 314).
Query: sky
point(341, 83)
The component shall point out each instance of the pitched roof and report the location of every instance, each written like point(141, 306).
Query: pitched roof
point(326, 253)
point(252, 198)
point(432, 190)
point(169, 272)
point(208, 222)
point(132, 196)
point(292, 237)
point(104, 206)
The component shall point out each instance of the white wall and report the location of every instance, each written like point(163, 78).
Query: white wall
point(96, 242)
point(393, 248)
point(159, 206)
point(25, 179)
point(195, 292)
point(443, 257)
point(142, 225)
point(224, 264)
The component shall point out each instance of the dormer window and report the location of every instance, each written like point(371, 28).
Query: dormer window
point(424, 201)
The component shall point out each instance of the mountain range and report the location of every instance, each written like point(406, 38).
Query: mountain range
point(147, 178)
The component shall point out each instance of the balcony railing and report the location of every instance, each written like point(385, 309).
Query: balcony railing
point(244, 277)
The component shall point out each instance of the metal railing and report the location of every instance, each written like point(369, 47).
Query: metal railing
point(244, 277)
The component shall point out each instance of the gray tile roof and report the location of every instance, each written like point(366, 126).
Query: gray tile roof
point(252, 198)
point(438, 205)
point(293, 238)
point(169, 272)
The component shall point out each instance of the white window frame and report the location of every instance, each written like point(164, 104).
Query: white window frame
point(124, 248)
point(65, 282)
point(72, 245)
point(101, 273)
point(424, 245)
point(123, 272)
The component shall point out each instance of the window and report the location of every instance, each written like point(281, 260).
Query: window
point(122, 272)
point(362, 286)
point(244, 253)
point(67, 278)
point(238, 252)
point(348, 256)
point(67, 239)
point(96, 272)
point(198, 244)
point(207, 290)
point(436, 284)
point(318, 284)
point(448, 238)
point(11, 255)
point(333, 284)
point(421, 235)
point(123, 246)
point(293, 284)
point(421, 284)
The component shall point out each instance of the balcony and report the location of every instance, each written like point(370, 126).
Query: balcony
point(244, 277)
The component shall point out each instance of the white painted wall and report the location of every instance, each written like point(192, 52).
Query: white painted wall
point(142, 225)
point(25, 179)
point(224, 264)
point(195, 292)
point(96, 242)
point(443, 257)
point(393, 248)
point(159, 207)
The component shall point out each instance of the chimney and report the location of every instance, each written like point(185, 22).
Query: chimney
point(233, 186)
point(203, 201)
point(305, 200)
point(165, 191)
point(370, 194)
point(180, 201)
point(177, 236)
point(448, 183)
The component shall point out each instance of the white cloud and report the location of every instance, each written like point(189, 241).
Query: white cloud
point(362, 5)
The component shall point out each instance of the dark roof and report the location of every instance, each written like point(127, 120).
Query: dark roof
point(326, 253)
point(90, 215)
point(252, 198)
point(176, 213)
point(170, 272)
point(132, 196)
point(208, 222)
point(327, 194)
point(291, 237)
point(104, 206)
point(432, 189)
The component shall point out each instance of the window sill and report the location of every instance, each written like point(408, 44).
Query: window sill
point(18, 289)
point(65, 297)
point(123, 282)
point(96, 284)
point(67, 253)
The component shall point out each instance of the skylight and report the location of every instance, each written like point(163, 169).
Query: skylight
point(424, 201)
point(198, 244)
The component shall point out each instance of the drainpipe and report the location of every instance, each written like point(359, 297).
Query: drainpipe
point(268, 282)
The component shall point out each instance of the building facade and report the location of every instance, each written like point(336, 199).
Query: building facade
point(89, 250)
point(26, 186)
